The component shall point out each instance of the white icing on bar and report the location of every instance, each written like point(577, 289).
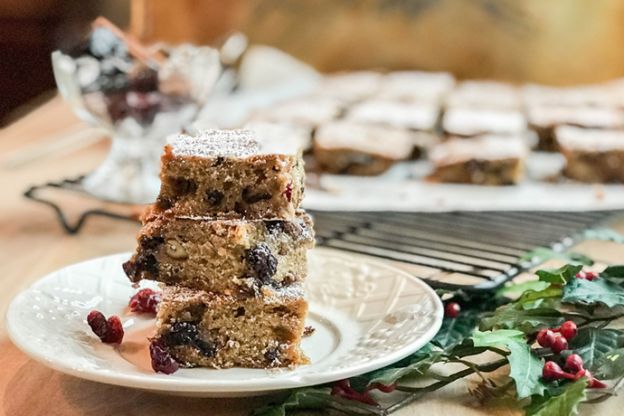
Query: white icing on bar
point(589, 140)
point(479, 148)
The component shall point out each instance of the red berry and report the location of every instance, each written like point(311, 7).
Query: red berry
point(568, 330)
point(162, 361)
point(552, 371)
point(580, 275)
point(591, 275)
point(574, 363)
point(559, 344)
point(452, 309)
point(109, 331)
point(115, 332)
point(592, 383)
point(145, 301)
point(545, 338)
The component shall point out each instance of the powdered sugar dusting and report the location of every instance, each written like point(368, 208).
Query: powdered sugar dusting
point(235, 143)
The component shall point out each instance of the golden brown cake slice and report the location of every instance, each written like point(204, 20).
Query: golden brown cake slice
point(486, 160)
point(592, 155)
point(214, 330)
point(230, 256)
point(230, 173)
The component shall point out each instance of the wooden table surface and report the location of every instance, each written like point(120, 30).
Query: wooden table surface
point(32, 244)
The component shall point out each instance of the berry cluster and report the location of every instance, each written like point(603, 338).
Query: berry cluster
point(572, 370)
point(110, 330)
point(557, 338)
point(587, 275)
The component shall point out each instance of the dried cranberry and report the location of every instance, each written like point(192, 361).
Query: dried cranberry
point(110, 331)
point(545, 338)
point(559, 344)
point(162, 361)
point(261, 262)
point(568, 330)
point(574, 363)
point(452, 310)
point(145, 301)
point(288, 191)
point(186, 333)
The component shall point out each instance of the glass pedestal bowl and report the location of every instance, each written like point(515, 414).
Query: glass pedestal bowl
point(139, 105)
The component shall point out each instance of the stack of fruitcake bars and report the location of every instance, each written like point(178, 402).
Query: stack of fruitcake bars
point(227, 240)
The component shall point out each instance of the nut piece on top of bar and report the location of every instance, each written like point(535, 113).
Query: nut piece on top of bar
point(486, 160)
point(360, 149)
point(216, 330)
point(228, 173)
point(232, 256)
point(592, 155)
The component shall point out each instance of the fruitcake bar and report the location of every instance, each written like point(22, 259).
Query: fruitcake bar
point(418, 116)
point(360, 149)
point(215, 330)
point(592, 155)
point(309, 111)
point(485, 94)
point(349, 87)
point(485, 160)
point(231, 256)
point(544, 118)
point(278, 135)
point(227, 173)
point(470, 122)
point(410, 86)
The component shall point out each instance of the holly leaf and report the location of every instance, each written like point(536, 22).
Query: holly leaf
point(542, 254)
point(605, 234)
point(563, 404)
point(559, 276)
point(593, 343)
point(518, 289)
point(526, 368)
point(613, 272)
point(591, 292)
point(306, 398)
point(532, 299)
point(416, 364)
point(525, 320)
point(454, 331)
point(610, 365)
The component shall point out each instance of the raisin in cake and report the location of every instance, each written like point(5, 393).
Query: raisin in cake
point(230, 255)
point(227, 173)
point(486, 160)
point(360, 149)
point(216, 330)
point(592, 155)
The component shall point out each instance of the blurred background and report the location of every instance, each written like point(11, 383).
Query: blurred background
point(558, 42)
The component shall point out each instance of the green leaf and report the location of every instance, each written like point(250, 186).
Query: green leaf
point(526, 368)
point(610, 365)
point(613, 272)
point(605, 234)
point(525, 320)
point(593, 343)
point(534, 299)
point(306, 398)
point(564, 404)
point(416, 364)
point(542, 254)
point(559, 276)
point(591, 292)
point(517, 289)
point(454, 331)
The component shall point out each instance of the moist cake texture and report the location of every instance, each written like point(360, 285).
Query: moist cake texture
point(486, 160)
point(360, 149)
point(227, 173)
point(592, 155)
point(216, 330)
point(229, 256)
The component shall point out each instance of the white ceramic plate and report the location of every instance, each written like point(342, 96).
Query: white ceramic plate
point(366, 315)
